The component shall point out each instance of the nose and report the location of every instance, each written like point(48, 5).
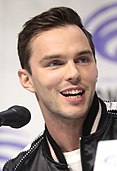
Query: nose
point(72, 73)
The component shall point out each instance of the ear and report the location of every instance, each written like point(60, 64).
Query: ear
point(26, 80)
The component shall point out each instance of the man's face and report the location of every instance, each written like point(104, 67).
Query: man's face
point(64, 72)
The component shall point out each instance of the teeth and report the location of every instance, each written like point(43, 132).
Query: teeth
point(72, 92)
point(77, 96)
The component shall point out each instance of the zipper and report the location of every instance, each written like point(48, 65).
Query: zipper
point(28, 153)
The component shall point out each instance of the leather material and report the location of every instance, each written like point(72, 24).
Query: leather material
point(38, 158)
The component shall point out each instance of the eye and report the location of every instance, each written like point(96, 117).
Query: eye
point(83, 60)
point(55, 63)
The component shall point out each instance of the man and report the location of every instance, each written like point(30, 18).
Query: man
point(58, 62)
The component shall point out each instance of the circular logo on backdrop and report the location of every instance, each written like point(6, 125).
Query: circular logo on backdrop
point(104, 25)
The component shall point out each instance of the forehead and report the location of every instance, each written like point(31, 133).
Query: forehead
point(58, 39)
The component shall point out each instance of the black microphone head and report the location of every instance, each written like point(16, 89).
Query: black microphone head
point(22, 116)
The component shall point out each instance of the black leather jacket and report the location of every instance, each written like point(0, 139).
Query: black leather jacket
point(38, 156)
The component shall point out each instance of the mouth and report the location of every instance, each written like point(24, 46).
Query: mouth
point(73, 93)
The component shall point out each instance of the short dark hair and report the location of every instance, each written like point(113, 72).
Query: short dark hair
point(53, 18)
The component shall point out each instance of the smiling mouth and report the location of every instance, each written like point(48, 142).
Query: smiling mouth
point(73, 93)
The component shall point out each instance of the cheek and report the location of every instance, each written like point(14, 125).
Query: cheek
point(90, 75)
point(52, 80)
point(94, 75)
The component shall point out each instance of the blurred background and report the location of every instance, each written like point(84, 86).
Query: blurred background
point(99, 17)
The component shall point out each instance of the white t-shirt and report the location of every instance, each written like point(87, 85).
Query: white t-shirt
point(74, 160)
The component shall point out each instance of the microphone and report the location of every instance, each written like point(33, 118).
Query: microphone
point(15, 117)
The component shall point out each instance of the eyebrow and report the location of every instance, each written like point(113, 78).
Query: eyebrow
point(88, 52)
point(48, 57)
point(58, 56)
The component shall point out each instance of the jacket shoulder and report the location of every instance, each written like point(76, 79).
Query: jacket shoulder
point(111, 107)
point(13, 163)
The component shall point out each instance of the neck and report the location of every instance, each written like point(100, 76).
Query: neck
point(67, 133)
